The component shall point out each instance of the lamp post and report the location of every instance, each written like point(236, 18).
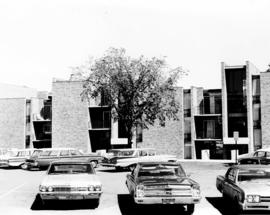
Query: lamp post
point(235, 137)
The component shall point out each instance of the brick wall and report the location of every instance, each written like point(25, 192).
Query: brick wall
point(70, 116)
point(12, 123)
point(265, 108)
point(168, 139)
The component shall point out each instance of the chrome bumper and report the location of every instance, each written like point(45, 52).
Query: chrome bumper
point(69, 195)
point(167, 200)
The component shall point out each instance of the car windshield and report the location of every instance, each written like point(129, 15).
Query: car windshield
point(118, 153)
point(70, 169)
point(254, 174)
point(161, 170)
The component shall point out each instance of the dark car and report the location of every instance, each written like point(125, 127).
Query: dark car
point(163, 183)
point(42, 158)
point(253, 160)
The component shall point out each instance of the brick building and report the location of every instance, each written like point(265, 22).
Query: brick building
point(25, 117)
point(208, 119)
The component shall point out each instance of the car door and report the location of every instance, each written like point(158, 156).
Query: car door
point(47, 157)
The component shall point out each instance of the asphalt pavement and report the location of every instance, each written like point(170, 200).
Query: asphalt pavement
point(19, 188)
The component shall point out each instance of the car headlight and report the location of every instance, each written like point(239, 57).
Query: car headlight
point(140, 191)
point(253, 198)
point(98, 188)
point(196, 192)
point(42, 188)
point(50, 189)
point(91, 188)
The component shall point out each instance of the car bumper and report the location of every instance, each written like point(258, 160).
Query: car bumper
point(108, 164)
point(4, 164)
point(69, 196)
point(167, 200)
point(31, 165)
point(256, 206)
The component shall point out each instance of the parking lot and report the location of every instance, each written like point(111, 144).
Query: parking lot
point(18, 193)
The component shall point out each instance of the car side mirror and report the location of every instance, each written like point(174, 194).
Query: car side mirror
point(188, 175)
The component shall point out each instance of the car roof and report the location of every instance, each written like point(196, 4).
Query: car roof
point(51, 149)
point(159, 162)
point(129, 149)
point(264, 150)
point(251, 166)
point(72, 161)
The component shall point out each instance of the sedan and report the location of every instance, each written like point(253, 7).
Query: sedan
point(163, 183)
point(71, 180)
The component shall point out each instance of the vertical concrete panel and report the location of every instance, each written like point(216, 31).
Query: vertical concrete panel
point(12, 123)
point(251, 70)
point(196, 99)
point(224, 102)
point(70, 116)
point(168, 139)
point(265, 108)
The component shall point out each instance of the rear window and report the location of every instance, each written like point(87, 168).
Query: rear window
point(254, 174)
point(70, 169)
point(161, 170)
point(125, 153)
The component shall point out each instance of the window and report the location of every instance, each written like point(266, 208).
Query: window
point(143, 153)
point(74, 153)
point(259, 154)
point(64, 153)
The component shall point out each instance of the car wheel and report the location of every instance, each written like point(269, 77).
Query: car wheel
point(131, 167)
point(190, 208)
point(24, 166)
point(94, 163)
point(118, 168)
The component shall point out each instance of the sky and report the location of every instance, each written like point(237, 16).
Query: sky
point(40, 40)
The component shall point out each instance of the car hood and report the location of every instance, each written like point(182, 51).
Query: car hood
point(165, 180)
point(71, 180)
point(255, 187)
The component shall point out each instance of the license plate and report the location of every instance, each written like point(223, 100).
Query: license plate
point(168, 201)
point(70, 197)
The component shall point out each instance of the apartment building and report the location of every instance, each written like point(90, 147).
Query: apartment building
point(208, 119)
point(22, 110)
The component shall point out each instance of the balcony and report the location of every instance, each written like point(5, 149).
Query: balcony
point(210, 106)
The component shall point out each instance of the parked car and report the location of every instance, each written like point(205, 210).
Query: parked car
point(260, 153)
point(71, 180)
point(15, 157)
point(246, 186)
point(128, 158)
point(163, 183)
point(253, 160)
point(41, 159)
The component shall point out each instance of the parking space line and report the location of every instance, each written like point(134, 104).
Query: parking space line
point(12, 190)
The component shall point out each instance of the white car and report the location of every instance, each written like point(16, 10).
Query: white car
point(15, 157)
point(128, 158)
point(71, 180)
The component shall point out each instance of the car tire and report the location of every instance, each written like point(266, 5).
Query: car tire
point(94, 163)
point(131, 167)
point(24, 166)
point(118, 168)
point(190, 208)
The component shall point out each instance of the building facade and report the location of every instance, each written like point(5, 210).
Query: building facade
point(208, 119)
point(25, 117)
